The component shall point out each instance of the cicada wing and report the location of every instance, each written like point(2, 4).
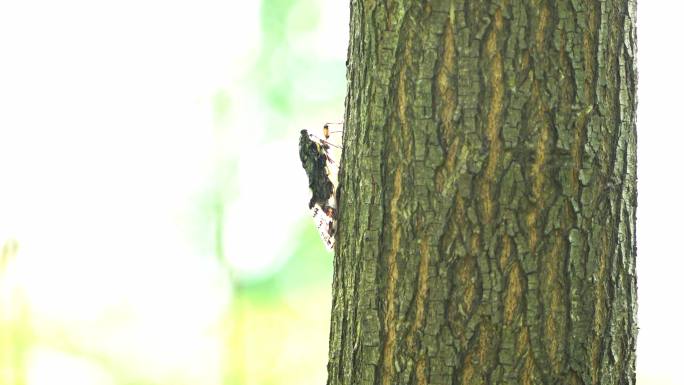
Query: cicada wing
point(325, 225)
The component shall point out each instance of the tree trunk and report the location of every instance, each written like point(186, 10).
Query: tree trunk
point(487, 194)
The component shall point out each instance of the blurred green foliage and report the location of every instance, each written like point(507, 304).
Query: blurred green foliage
point(279, 324)
point(273, 326)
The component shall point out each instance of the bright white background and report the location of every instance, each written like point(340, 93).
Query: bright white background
point(77, 128)
point(660, 255)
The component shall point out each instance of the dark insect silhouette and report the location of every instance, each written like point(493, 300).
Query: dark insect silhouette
point(320, 160)
point(314, 159)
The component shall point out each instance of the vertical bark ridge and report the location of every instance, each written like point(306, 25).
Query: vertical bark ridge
point(421, 297)
point(390, 339)
point(495, 79)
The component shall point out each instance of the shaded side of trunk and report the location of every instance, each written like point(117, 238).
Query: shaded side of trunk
point(487, 195)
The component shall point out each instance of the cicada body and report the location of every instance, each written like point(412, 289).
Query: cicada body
point(320, 160)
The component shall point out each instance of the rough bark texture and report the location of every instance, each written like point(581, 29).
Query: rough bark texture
point(487, 195)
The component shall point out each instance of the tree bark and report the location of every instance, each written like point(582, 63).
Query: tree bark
point(487, 194)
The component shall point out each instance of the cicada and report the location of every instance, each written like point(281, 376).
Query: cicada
point(320, 160)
